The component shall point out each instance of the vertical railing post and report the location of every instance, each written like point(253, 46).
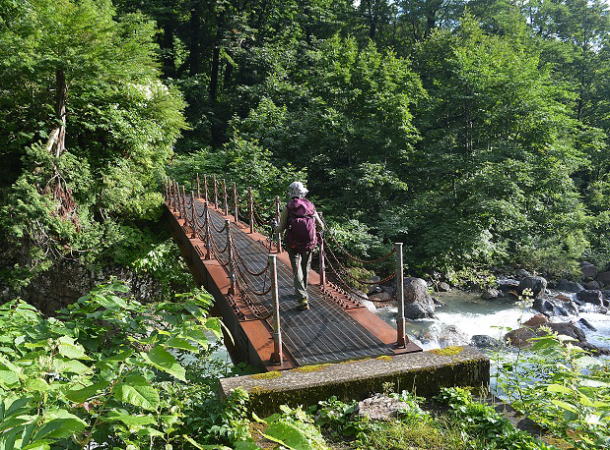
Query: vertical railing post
point(401, 338)
point(232, 279)
point(198, 187)
point(174, 196)
point(235, 203)
point(226, 197)
point(215, 192)
point(178, 201)
point(277, 356)
point(183, 214)
point(208, 231)
point(193, 218)
point(322, 258)
point(251, 209)
point(205, 187)
point(277, 220)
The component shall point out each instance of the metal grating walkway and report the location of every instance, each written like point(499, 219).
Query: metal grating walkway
point(324, 333)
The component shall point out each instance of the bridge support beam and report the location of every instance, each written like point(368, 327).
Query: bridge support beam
point(277, 357)
point(401, 338)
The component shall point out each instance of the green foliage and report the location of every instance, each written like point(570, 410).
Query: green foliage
point(121, 124)
point(293, 429)
point(240, 161)
point(339, 420)
point(485, 423)
point(561, 387)
point(99, 371)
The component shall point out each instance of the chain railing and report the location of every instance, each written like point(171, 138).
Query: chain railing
point(242, 275)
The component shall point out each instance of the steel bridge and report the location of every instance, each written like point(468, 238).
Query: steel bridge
point(222, 238)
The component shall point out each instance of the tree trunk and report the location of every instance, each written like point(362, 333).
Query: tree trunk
point(60, 109)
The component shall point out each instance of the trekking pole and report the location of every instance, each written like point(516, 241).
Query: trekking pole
point(251, 208)
point(277, 219)
point(401, 338)
point(236, 203)
point(277, 355)
point(322, 258)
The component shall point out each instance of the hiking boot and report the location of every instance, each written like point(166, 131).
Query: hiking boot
point(303, 305)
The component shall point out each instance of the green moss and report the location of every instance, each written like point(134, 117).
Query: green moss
point(267, 375)
point(384, 358)
point(312, 368)
point(448, 351)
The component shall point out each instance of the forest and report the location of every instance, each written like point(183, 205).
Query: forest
point(476, 132)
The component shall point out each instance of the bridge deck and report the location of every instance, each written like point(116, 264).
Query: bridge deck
point(324, 333)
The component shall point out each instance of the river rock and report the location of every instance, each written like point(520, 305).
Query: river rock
point(588, 270)
point(585, 323)
point(450, 336)
point(490, 294)
point(535, 284)
point(381, 297)
point(592, 285)
point(437, 303)
point(603, 278)
point(380, 407)
point(568, 329)
point(520, 337)
point(606, 294)
point(536, 321)
point(569, 286)
point(443, 287)
point(522, 273)
point(594, 297)
point(484, 341)
point(418, 303)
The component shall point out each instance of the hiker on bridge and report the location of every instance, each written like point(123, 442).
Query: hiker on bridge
point(299, 219)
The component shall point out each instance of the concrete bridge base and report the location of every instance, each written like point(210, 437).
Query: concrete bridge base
point(422, 373)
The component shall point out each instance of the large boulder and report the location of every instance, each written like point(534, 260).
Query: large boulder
point(381, 297)
point(418, 302)
point(603, 278)
point(588, 270)
point(594, 297)
point(537, 285)
point(569, 286)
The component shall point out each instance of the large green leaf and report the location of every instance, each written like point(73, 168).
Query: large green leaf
point(137, 391)
point(287, 435)
point(36, 385)
point(181, 344)
point(63, 365)
point(197, 336)
point(82, 395)
point(161, 359)
point(68, 348)
point(131, 420)
point(60, 424)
